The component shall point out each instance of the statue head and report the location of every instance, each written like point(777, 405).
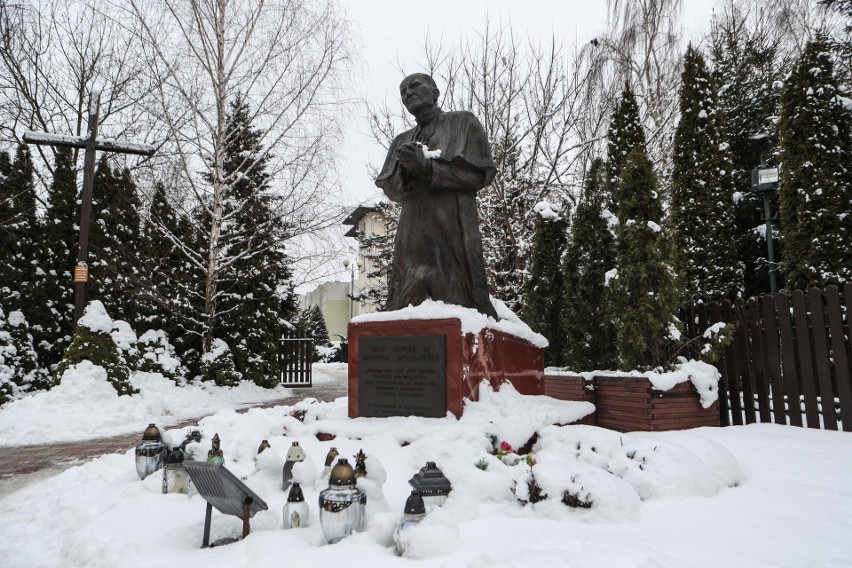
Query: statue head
point(419, 93)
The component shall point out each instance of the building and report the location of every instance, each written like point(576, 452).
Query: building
point(334, 303)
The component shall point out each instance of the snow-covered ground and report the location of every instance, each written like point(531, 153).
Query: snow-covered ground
point(85, 406)
point(754, 496)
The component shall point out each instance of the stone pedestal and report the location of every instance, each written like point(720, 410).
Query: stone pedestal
point(427, 367)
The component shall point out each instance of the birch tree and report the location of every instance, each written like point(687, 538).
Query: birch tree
point(289, 61)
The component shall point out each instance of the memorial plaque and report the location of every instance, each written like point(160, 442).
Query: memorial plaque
point(402, 375)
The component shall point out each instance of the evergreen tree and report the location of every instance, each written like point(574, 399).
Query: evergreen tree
point(644, 292)
point(20, 228)
point(7, 238)
point(169, 294)
point(54, 309)
point(168, 277)
point(543, 302)
point(19, 371)
point(114, 241)
point(217, 366)
point(624, 134)
point(701, 214)
point(311, 323)
point(256, 291)
point(816, 177)
point(93, 342)
point(589, 255)
point(747, 71)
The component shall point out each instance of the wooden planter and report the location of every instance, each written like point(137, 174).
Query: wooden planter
point(631, 404)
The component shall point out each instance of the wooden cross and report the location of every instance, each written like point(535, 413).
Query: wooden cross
point(91, 144)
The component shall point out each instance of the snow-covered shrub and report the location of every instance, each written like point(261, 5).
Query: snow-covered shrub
point(218, 365)
point(125, 339)
point(157, 355)
point(19, 370)
point(93, 341)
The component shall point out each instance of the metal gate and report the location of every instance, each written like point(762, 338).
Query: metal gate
point(295, 355)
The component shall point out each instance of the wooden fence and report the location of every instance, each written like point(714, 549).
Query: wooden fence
point(789, 361)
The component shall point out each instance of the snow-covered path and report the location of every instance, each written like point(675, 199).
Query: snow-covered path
point(24, 465)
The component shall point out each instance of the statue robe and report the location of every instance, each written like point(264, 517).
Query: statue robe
point(438, 246)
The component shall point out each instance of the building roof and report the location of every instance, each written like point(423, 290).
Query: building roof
point(355, 217)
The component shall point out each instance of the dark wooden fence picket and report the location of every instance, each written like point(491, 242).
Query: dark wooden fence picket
point(773, 360)
point(839, 350)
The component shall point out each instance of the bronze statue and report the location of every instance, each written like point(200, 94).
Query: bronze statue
point(435, 170)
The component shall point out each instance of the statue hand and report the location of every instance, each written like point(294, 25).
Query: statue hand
point(411, 158)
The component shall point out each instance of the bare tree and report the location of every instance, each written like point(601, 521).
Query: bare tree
point(288, 60)
point(642, 47)
point(52, 53)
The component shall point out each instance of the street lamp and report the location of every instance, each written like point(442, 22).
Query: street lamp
point(764, 180)
point(346, 264)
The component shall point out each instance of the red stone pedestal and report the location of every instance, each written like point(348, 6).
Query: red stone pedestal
point(491, 355)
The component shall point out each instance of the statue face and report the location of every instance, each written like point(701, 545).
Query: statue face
point(418, 93)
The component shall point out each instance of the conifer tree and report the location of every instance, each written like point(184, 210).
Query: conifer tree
point(644, 292)
point(311, 323)
point(816, 177)
point(746, 70)
point(257, 295)
point(93, 342)
point(168, 279)
point(701, 214)
point(53, 311)
point(19, 370)
point(114, 242)
point(589, 255)
point(624, 134)
point(19, 228)
point(543, 302)
point(217, 365)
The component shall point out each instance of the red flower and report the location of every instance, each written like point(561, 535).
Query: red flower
point(505, 447)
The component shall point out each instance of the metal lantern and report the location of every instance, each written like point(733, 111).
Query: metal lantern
point(294, 454)
point(329, 462)
point(151, 453)
point(415, 510)
point(175, 477)
point(263, 445)
point(431, 484)
point(215, 455)
point(296, 510)
point(342, 506)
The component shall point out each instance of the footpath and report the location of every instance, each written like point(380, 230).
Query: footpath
point(24, 465)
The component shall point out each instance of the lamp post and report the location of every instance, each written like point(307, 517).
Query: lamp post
point(347, 264)
point(764, 180)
